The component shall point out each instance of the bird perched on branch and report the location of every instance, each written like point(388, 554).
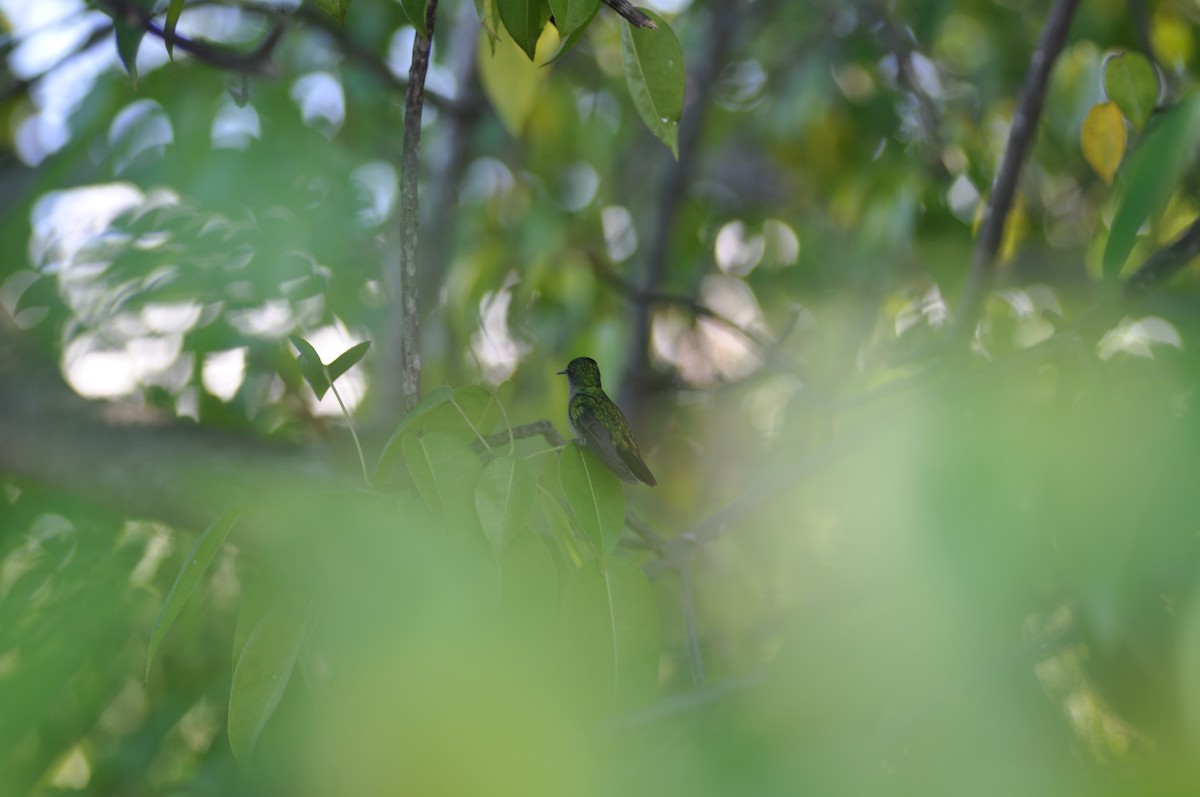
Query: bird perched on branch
point(599, 423)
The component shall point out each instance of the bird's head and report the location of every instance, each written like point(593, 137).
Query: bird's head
point(582, 373)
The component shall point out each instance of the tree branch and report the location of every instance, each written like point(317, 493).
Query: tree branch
point(1020, 141)
point(407, 311)
point(1165, 263)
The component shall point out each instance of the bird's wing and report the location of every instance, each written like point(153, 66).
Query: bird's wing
point(600, 441)
point(625, 461)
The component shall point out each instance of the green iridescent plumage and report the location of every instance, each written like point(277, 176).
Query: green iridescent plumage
point(600, 424)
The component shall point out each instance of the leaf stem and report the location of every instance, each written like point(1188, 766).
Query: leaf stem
point(362, 461)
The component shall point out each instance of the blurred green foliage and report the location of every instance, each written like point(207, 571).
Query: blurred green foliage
point(872, 565)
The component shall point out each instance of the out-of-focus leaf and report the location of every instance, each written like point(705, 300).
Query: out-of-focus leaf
point(392, 450)
point(347, 360)
point(610, 634)
point(510, 80)
point(310, 365)
point(259, 598)
point(445, 470)
point(1103, 139)
point(173, 11)
point(524, 20)
point(528, 582)
point(1131, 82)
point(261, 675)
point(503, 498)
point(1156, 165)
point(573, 15)
point(415, 11)
point(655, 75)
point(335, 8)
point(595, 496)
point(197, 562)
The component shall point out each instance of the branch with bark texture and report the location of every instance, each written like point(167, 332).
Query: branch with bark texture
point(406, 309)
point(1020, 141)
point(1165, 263)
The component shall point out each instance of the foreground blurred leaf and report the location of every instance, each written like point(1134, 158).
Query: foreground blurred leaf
point(1103, 139)
point(1156, 166)
point(504, 498)
point(655, 75)
point(445, 470)
point(528, 582)
point(1131, 82)
point(129, 27)
point(262, 675)
point(609, 629)
point(197, 562)
point(595, 496)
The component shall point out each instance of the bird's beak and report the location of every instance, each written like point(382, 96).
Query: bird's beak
point(562, 372)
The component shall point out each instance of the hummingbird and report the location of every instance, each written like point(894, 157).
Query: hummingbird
point(599, 423)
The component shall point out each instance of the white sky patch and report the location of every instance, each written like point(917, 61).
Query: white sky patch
point(736, 251)
point(493, 345)
point(224, 372)
point(620, 237)
point(98, 373)
point(234, 127)
point(579, 185)
point(708, 351)
point(321, 100)
point(138, 128)
point(171, 317)
point(272, 319)
point(66, 221)
point(380, 183)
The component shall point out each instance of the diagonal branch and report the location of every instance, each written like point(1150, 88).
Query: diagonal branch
point(1020, 141)
point(1165, 263)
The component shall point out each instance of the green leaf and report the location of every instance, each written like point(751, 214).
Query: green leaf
point(573, 38)
point(129, 28)
point(472, 412)
point(445, 471)
point(655, 75)
point(347, 360)
point(440, 395)
point(610, 633)
point(415, 11)
point(173, 11)
point(504, 498)
point(1131, 82)
point(198, 560)
point(524, 20)
point(595, 496)
point(1155, 167)
point(528, 582)
point(573, 15)
point(311, 367)
point(262, 675)
point(335, 8)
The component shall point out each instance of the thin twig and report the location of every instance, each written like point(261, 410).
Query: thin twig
point(542, 428)
point(1020, 141)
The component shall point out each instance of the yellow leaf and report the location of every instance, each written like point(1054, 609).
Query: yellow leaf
point(1103, 139)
